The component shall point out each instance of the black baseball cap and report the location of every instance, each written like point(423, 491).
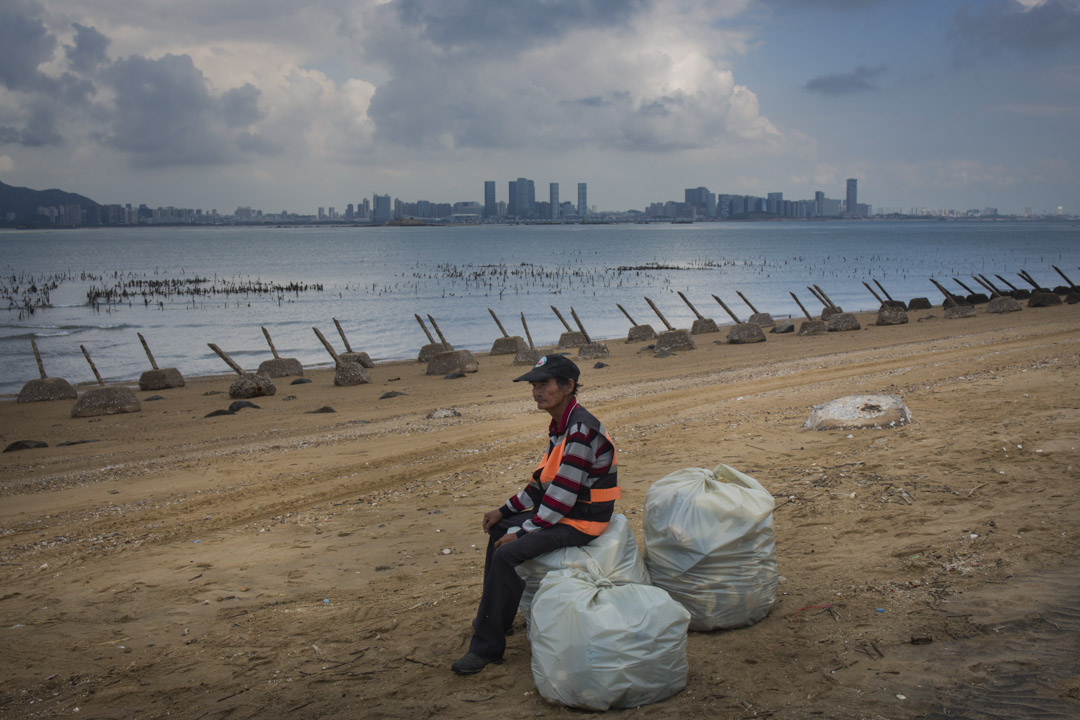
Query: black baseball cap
point(549, 366)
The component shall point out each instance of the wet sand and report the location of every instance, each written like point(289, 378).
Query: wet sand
point(280, 563)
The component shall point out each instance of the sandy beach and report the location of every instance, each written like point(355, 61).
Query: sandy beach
point(280, 562)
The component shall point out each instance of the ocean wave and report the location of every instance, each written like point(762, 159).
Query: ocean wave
point(33, 335)
point(67, 326)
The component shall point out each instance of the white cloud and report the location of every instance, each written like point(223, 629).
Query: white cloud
point(654, 82)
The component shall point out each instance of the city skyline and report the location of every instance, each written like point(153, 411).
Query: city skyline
point(699, 204)
point(930, 104)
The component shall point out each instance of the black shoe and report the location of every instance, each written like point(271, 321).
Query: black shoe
point(471, 663)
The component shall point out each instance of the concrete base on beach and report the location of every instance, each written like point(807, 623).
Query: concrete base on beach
point(161, 379)
point(959, 311)
point(44, 389)
point(277, 367)
point(842, 322)
point(1003, 304)
point(675, 340)
point(593, 350)
point(572, 339)
point(508, 345)
point(813, 327)
point(762, 320)
point(889, 315)
point(429, 351)
point(640, 333)
point(361, 358)
point(1043, 299)
point(527, 356)
point(347, 374)
point(745, 333)
point(105, 401)
point(251, 385)
point(703, 325)
point(452, 361)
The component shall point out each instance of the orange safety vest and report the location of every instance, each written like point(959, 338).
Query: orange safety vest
point(549, 469)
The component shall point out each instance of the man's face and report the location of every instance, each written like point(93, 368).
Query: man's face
point(548, 395)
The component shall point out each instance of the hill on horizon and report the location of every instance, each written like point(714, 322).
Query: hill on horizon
point(19, 206)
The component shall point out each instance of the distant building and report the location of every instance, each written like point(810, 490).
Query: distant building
point(490, 209)
point(522, 202)
point(852, 205)
point(697, 201)
point(527, 197)
point(380, 209)
point(819, 203)
point(553, 200)
point(774, 203)
point(582, 199)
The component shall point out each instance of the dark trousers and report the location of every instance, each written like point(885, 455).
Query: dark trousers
point(502, 585)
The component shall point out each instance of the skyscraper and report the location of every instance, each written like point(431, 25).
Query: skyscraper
point(819, 203)
point(697, 201)
point(582, 199)
point(522, 198)
point(553, 193)
point(530, 198)
point(774, 203)
point(381, 208)
point(490, 209)
point(852, 196)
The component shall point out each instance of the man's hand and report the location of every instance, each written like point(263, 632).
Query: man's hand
point(491, 518)
point(504, 539)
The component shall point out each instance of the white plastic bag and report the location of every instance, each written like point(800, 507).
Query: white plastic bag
point(615, 550)
point(597, 645)
point(709, 542)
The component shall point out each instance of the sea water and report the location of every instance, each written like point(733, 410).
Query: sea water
point(375, 279)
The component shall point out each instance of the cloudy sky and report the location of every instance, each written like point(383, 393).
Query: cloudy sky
point(290, 105)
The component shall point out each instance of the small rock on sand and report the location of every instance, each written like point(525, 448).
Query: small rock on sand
point(25, 445)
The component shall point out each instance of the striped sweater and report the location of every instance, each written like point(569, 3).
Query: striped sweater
point(588, 461)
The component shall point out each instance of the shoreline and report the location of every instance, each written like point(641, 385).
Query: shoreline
point(865, 315)
point(279, 558)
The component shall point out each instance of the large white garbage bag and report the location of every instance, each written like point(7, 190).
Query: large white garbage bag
point(615, 550)
point(709, 542)
point(597, 645)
